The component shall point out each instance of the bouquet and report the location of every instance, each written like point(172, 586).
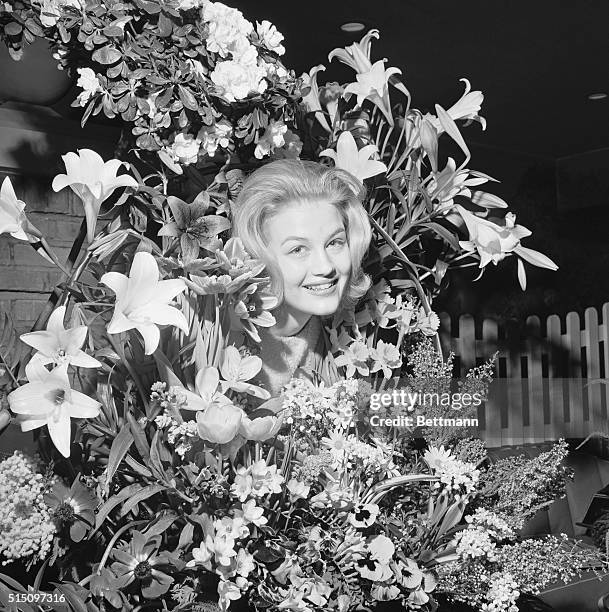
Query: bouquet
point(167, 478)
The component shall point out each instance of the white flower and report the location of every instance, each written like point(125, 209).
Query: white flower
point(227, 592)
point(245, 563)
point(428, 324)
point(227, 28)
point(90, 85)
point(235, 81)
point(252, 513)
point(214, 136)
point(142, 301)
point(363, 515)
point(186, 5)
point(437, 457)
point(92, 180)
point(47, 399)
point(59, 345)
point(273, 137)
point(297, 489)
point(357, 162)
point(185, 149)
point(270, 37)
point(12, 215)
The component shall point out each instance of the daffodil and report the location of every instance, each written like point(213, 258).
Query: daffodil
point(47, 399)
point(355, 357)
point(356, 162)
point(93, 181)
point(12, 215)
point(192, 226)
point(142, 301)
point(59, 345)
point(373, 85)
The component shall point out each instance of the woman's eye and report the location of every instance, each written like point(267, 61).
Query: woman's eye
point(299, 250)
point(337, 242)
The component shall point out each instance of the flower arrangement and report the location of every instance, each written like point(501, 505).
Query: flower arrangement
point(175, 481)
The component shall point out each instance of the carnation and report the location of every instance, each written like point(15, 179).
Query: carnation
point(272, 139)
point(90, 84)
point(235, 81)
point(227, 28)
point(185, 149)
point(270, 37)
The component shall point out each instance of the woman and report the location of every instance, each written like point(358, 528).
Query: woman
point(307, 223)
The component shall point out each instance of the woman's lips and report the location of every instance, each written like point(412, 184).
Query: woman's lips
point(322, 288)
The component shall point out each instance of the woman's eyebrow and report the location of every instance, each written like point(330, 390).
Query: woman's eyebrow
point(338, 230)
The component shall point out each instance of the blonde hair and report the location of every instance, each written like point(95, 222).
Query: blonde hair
point(278, 183)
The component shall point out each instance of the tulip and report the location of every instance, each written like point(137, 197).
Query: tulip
point(93, 181)
point(220, 422)
point(47, 399)
point(142, 301)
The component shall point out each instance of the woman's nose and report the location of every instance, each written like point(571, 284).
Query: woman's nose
point(323, 264)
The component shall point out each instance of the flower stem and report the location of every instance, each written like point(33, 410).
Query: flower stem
point(112, 542)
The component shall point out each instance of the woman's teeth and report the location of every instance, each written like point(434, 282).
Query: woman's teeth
point(321, 288)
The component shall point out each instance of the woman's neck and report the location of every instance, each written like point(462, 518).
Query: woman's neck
point(289, 321)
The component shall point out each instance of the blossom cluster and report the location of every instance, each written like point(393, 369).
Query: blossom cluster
point(26, 523)
point(460, 476)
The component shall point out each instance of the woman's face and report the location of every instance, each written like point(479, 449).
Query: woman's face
point(309, 243)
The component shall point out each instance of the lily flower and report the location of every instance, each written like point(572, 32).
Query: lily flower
point(93, 181)
point(47, 399)
point(373, 85)
point(142, 301)
point(73, 508)
point(192, 226)
point(357, 55)
point(139, 562)
point(311, 100)
point(356, 162)
point(466, 107)
point(206, 391)
point(236, 370)
point(493, 242)
point(59, 345)
point(12, 215)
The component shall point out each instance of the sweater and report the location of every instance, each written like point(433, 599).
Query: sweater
point(282, 356)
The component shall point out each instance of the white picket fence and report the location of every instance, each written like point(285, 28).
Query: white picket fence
point(544, 387)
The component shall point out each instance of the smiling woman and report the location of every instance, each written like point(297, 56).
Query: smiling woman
point(307, 223)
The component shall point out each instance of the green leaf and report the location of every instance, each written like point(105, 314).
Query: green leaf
point(161, 525)
point(140, 496)
point(72, 598)
point(187, 98)
point(118, 450)
point(186, 536)
point(141, 442)
point(452, 517)
point(112, 503)
point(107, 55)
point(443, 233)
point(13, 28)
